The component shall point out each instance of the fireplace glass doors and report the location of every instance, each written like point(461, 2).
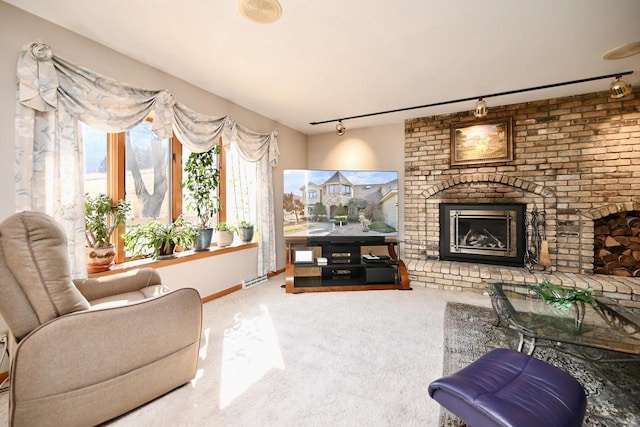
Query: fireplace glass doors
point(485, 233)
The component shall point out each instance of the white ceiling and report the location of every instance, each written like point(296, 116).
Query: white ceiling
point(328, 59)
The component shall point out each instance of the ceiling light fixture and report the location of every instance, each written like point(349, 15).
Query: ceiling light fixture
point(619, 88)
point(340, 129)
point(480, 110)
point(509, 92)
point(260, 11)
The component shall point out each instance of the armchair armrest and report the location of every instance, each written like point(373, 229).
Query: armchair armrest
point(120, 283)
point(106, 361)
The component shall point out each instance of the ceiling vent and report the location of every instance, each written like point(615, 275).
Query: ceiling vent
point(260, 11)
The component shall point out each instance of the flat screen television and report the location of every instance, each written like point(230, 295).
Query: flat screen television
point(340, 204)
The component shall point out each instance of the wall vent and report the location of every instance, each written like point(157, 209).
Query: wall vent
point(254, 281)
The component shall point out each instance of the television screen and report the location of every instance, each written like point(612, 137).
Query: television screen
point(338, 203)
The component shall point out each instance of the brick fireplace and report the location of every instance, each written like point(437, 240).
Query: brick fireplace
point(577, 159)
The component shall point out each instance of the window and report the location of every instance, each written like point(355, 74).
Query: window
point(312, 194)
point(147, 176)
point(346, 189)
point(334, 189)
point(138, 166)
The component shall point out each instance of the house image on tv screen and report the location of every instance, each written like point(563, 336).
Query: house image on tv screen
point(340, 202)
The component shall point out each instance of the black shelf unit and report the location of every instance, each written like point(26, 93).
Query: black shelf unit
point(345, 269)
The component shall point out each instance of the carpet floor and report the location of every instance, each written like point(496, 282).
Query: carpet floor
point(317, 359)
point(613, 388)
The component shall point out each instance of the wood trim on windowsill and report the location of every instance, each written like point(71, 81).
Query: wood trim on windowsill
point(181, 257)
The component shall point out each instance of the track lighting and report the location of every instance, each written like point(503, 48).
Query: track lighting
point(480, 110)
point(619, 88)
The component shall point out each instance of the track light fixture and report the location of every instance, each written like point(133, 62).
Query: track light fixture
point(619, 88)
point(480, 110)
point(623, 87)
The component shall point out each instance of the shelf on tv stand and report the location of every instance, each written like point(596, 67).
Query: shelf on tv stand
point(345, 269)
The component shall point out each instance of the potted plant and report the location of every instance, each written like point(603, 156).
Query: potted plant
point(159, 240)
point(102, 216)
point(224, 234)
point(245, 231)
point(203, 177)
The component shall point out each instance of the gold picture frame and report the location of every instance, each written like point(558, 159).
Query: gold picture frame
point(486, 141)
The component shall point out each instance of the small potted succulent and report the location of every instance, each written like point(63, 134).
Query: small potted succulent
point(224, 234)
point(102, 216)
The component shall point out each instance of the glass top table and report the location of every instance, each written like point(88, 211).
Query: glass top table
point(607, 326)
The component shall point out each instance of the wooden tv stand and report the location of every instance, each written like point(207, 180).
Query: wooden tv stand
point(352, 265)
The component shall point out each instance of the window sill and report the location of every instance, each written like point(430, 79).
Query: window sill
point(180, 257)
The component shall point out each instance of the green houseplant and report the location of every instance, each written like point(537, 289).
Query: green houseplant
point(160, 240)
point(203, 177)
point(102, 216)
point(245, 231)
point(224, 234)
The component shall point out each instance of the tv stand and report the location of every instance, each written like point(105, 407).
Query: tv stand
point(319, 265)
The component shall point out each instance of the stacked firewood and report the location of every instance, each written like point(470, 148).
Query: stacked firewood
point(617, 244)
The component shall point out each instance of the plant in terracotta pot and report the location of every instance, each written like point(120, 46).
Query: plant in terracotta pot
point(245, 231)
point(159, 240)
point(102, 216)
point(224, 234)
point(203, 177)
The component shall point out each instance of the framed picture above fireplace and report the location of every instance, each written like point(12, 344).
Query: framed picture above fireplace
point(486, 141)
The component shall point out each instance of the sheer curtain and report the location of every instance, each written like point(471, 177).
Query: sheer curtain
point(53, 95)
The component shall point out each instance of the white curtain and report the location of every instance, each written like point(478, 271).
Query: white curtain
point(54, 95)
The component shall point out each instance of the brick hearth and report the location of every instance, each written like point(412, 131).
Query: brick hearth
point(468, 277)
point(577, 158)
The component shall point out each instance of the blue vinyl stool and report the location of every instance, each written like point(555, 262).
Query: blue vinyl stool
point(508, 388)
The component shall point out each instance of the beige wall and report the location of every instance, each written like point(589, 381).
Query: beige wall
point(18, 28)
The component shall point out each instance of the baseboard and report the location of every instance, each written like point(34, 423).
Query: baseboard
point(221, 293)
point(232, 289)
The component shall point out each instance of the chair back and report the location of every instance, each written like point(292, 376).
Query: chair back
point(35, 277)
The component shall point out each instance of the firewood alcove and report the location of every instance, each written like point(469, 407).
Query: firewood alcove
point(617, 244)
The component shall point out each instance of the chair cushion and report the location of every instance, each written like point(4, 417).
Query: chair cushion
point(125, 298)
point(508, 388)
point(36, 254)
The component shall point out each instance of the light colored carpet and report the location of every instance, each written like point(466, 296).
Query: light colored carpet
point(333, 358)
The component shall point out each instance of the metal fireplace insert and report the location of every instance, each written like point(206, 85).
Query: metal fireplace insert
point(483, 233)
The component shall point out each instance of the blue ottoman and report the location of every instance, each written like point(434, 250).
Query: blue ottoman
point(508, 388)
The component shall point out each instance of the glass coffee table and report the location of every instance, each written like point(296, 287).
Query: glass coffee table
point(607, 326)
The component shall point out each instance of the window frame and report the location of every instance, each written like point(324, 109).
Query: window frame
point(116, 171)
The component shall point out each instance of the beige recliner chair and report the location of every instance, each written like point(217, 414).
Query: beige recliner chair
point(87, 351)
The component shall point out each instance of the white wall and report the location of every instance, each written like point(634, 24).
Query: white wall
point(18, 28)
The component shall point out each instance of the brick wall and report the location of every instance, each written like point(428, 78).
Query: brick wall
point(577, 158)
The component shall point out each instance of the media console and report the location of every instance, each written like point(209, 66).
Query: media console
point(318, 264)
